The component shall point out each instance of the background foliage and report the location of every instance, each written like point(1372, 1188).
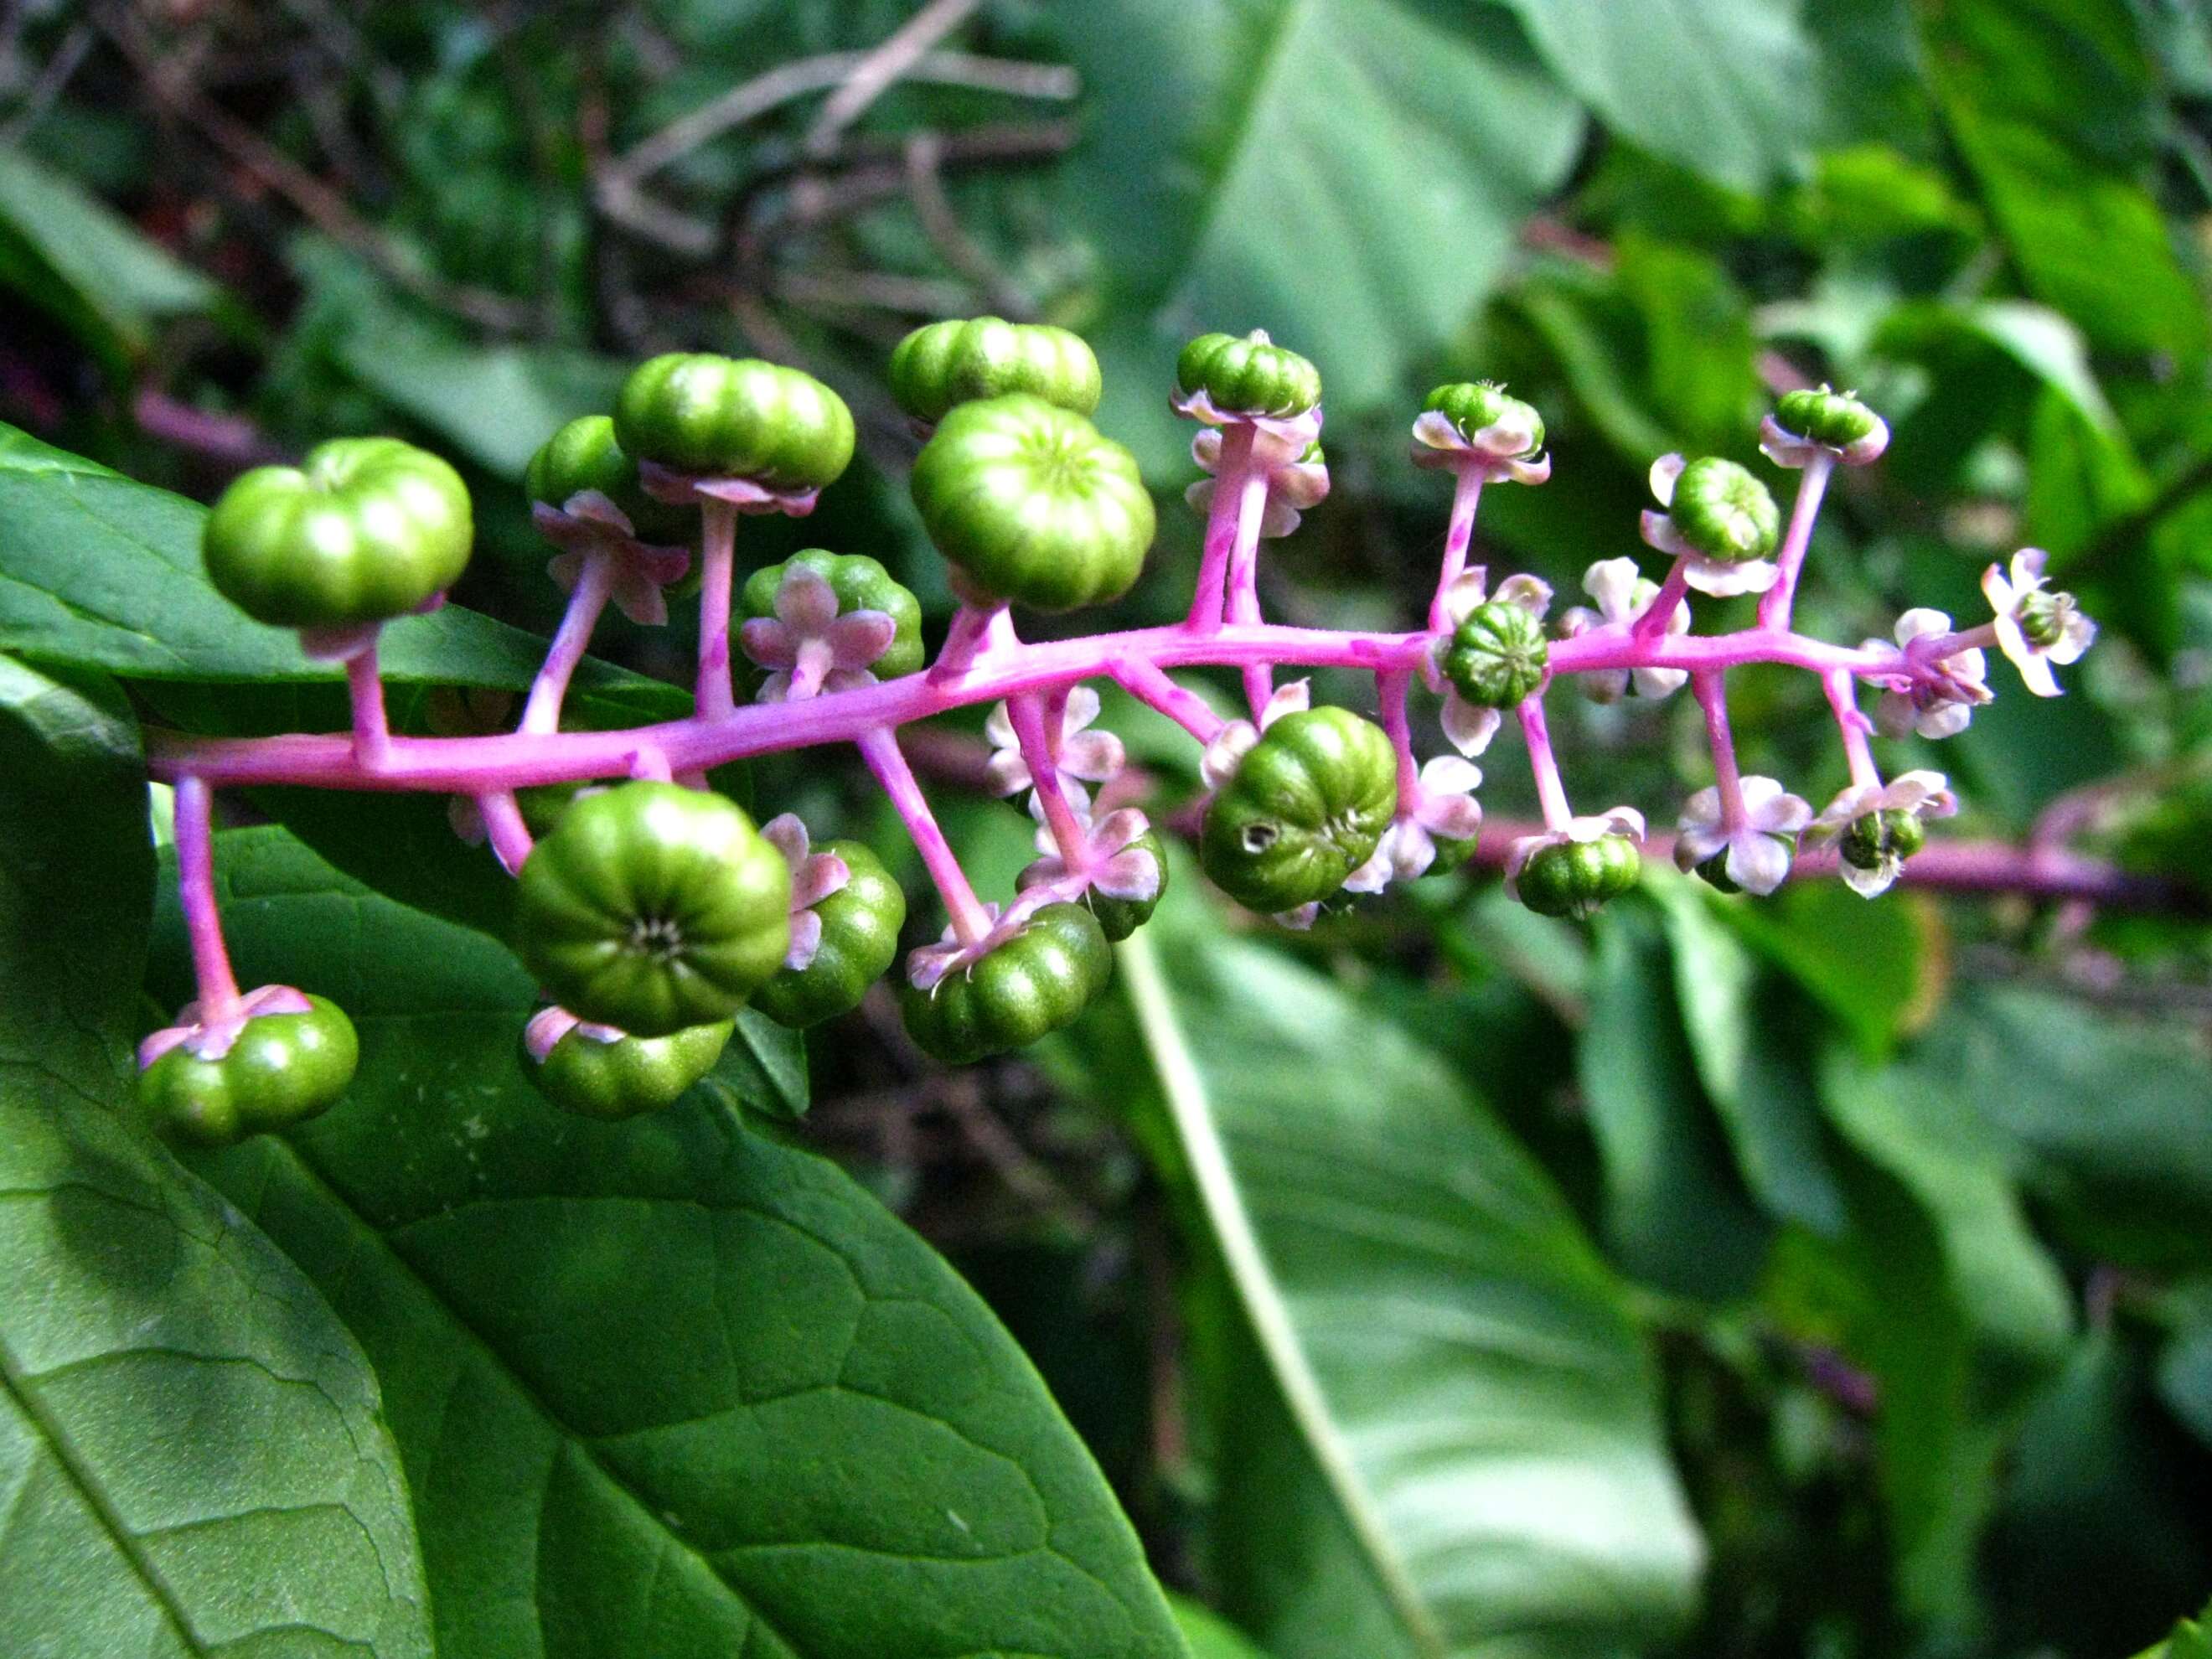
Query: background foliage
point(1809, 1277)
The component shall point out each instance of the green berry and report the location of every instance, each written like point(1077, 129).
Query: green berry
point(1497, 655)
point(1724, 512)
point(651, 907)
point(1836, 420)
point(1876, 838)
point(1036, 981)
point(628, 1076)
point(1472, 406)
point(1247, 377)
point(367, 529)
point(1305, 809)
point(282, 1069)
point(1452, 853)
point(861, 924)
point(942, 364)
point(585, 455)
point(1575, 877)
point(735, 417)
point(1119, 918)
point(861, 584)
point(1030, 505)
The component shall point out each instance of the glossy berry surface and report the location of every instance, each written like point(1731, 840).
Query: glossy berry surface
point(1034, 982)
point(365, 529)
point(651, 907)
point(1305, 809)
point(1247, 376)
point(1473, 407)
point(1577, 878)
point(861, 924)
point(944, 364)
point(1497, 655)
point(585, 454)
point(1030, 505)
point(734, 417)
point(628, 1076)
point(1835, 419)
point(1724, 512)
point(282, 1069)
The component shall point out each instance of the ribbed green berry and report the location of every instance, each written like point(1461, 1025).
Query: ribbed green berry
point(1877, 837)
point(651, 907)
point(282, 1069)
point(1305, 808)
point(1247, 376)
point(1724, 512)
point(735, 417)
point(861, 924)
point(861, 583)
point(631, 1075)
point(1034, 982)
point(1497, 655)
point(586, 455)
point(1030, 505)
point(1472, 406)
point(1575, 877)
point(1835, 419)
point(942, 364)
point(1452, 853)
point(365, 529)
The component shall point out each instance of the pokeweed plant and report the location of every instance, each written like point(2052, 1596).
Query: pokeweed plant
point(651, 909)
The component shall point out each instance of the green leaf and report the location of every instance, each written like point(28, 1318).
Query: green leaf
point(98, 570)
point(1878, 969)
point(191, 1454)
point(763, 1069)
point(1471, 1459)
point(73, 257)
point(1698, 341)
point(2037, 339)
point(2191, 1638)
point(1259, 177)
point(1210, 1636)
point(1717, 85)
point(664, 1387)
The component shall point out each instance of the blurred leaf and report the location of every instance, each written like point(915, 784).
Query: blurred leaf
point(1698, 341)
point(663, 1386)
point(192, 1454)
point(2192, 1639)
point(2185, 1367)
point(1867, 194)
point(1255, 175)
point(1717, 85)
point(2049, 101)
point(1879, 969)
point(1333, 1156)
point(1565, 310)
point(2038, 339)
point(76, 258)
point(763, 1069)
point(1674, 1214)
point(1210, 1636)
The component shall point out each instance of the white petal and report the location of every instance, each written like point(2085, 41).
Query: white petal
point(1469, 725)
point(858, 637)
point(1298, 920)
point(1132, 874)
point(1375, 875)
point(1448, 775)
point(1759, 863)
point(1464, 593)
point(1455, 817)
point(768, 642)
point(1411, 849)
point(805, 602)
point(1658, 531)
point(1945, 719)
point(1083, 707)
point(1199, 497)
point(1218, 764)
point(1998, 592)
point(1722, 581)
point(1292, 699)
point(1612, 583)
point(1664, 471)
point(999, 727)
point(806, 940)
point(1008, 772)
point(1532, 593)
point(1663, 682)
point(787, 833)
point(1895, 715)
point(1433, 428)
point(1920, 622)
point(1870, 884)
point(1205, 448)
point(1096, 756)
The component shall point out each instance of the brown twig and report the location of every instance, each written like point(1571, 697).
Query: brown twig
point(925, 183)
point(881, 68)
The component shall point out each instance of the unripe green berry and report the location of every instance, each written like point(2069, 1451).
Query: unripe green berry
point(942, 364)
point(2042, 616)
point(1497, 655)
point(1305, 808)
point(586, 455)
point(1036, 982)
point(1876, 837)
point(1119, 918)
point(1724, 512)
point(1472, 406)
point(861, 924)
point(282, 1069)
point(1836, 420)
point(631, 1075)
point(734, 417)
point(861, 583)
point(1247, 377)
point(1575, 877)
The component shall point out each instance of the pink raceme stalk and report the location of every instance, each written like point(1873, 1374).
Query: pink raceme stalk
point(1789, 559)
point(1712, 693)
point(1551, 794)
point(717, 563)
point(879, 748)
point(1459, 536)
point(219, 1000)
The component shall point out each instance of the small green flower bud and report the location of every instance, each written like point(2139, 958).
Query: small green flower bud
point(1836, 420)
point(1894, 833)
point(1497, 656)
point(1575, 877)
point(942, 364)
point(2042, 616)
point(1475, 406)
point(1246, 377)
point(1724, 512)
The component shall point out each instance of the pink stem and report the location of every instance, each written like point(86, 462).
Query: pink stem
point(195, 829)
point(1143, 679)
point(1712, 691)
point(1458, 535)
point(650, 764)
point(879, 748)
point(977, 631)
point(1390, 690)
point(1940, 646)
point(1661, 612)
point(1550, 794)
point(594, 582)
point(1028, 713)
point(1843, 698)
point(718, 527)
point(1232, 525)
point(372, 733)
point(504, 828)
point(1812, 484)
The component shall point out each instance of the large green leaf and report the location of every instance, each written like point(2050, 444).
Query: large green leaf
point(1468, 1458)
point(192, 1457)
point(1348, 174)
point(98, 570)
point(668, 1387)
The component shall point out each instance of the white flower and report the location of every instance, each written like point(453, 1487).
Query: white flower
point(1934, 697)
point(1471, 725)
point(814, 876)
point(811, 648)
point(1293, 485)
point(2035, 628)
point(1925, 795)
point(1759, 848)
point(1113, 863)
point(1408, 847)
point(1623, 594)
point(588, 526)
point(1085, 756)
point(1501, 450)
point(1620, 821)
point(1717, 577)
